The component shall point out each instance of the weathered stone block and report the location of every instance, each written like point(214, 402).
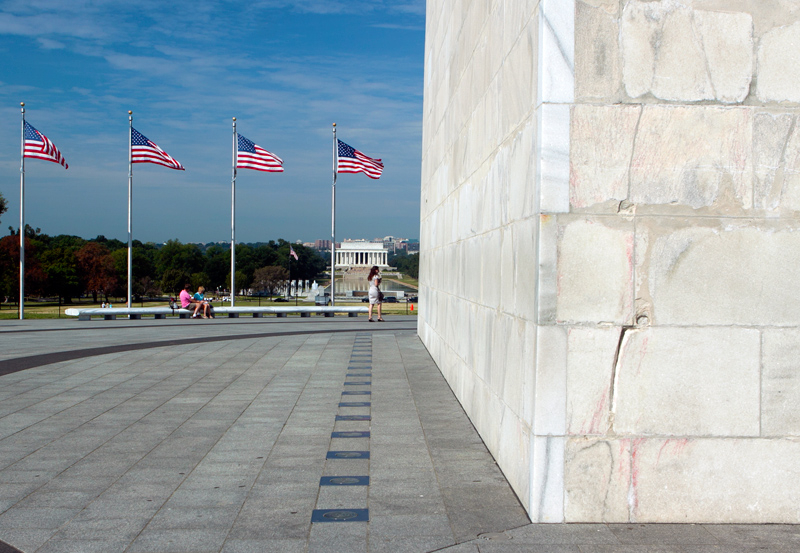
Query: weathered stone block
point(727, 41)
point(595, 271)
point(547, 479)
point(590, 372)
point(677, 53)
point(521, 284)
point(549, 415)
point(598, 66)
point(688, 382)
point(596, 480)
point(712, 480)
point(725, 274)
point(601, 149)
point(557, 45)
point(774, 162)
point(779, 65)
point(553, 157)
point(521, 172)
point(693, 156)
point(780, 383)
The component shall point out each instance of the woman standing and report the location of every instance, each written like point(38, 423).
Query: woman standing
point(375, 295)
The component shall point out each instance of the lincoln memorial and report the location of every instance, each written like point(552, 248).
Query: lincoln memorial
point(361, 254)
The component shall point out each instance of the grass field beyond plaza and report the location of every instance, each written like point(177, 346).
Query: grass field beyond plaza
point(52, 310)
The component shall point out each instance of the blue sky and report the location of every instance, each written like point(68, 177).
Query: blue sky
point(286, 69)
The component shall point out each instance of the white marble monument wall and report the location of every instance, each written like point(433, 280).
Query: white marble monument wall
point(610, 255)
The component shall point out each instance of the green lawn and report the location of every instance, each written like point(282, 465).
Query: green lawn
point(50, 310)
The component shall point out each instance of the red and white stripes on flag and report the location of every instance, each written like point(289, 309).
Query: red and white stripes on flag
point(350, 160)
point(250, 155)
point(39, 146)
point(293, 253)
point(147, 151)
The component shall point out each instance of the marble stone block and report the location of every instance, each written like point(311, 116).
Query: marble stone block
point(601, 149)
point(547, 277)
point(597, 478)
point(524, 279)
point(780, 383)
point(547, 479)
point(715, 480)
point(553, 153)
point(693, 156)
point(514, 453)
point(774, 162)
point(611, 7)
point(517, 82)
point(521, 172)
point(595, 271)
point(779, 65)
point(727, 40)
point(720, 273)
point(556, 51)
point(549, 414)
point(512, 350)
point(598, 63)
point(776, 149)
point(688, 382)
point(590, 372)
point(680, 54)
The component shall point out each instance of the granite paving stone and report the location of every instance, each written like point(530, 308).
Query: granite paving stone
point(178, 541)
point(83, 545)
point(219, 446)
point(640, 548)
point(490, 547)
point(265, 546)
point(690, 534)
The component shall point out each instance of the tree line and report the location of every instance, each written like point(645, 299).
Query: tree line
point(66, 266)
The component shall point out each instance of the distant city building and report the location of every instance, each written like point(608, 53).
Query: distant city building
point(322, 244)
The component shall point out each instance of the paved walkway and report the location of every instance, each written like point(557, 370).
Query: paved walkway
point(267, 435)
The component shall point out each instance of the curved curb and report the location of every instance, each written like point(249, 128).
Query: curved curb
point(9, 366)
point(6, 548)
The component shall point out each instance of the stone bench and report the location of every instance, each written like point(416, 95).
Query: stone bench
point(232, 312)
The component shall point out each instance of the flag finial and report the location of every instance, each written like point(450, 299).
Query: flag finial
point(334, 124)
point(234, 119)
point(22, 104)
point(130, 112)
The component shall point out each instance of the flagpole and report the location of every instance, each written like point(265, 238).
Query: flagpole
point(333, 223)
point(22, 216)
point(130, 202)
point(233, 219)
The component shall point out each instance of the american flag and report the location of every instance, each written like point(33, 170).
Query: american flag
point(350, 160)
point(39, 146)
point(293, 253)
point(147, 151)
point(252, 156)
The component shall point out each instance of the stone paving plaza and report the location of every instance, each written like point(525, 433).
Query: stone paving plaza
point(237, 435)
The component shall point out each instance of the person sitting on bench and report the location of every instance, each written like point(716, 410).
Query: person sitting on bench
point(201, 297)
point(188, 302)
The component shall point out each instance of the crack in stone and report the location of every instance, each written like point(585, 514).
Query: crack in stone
point(633, 148)
point(779, 179)
point(699, 36)
point(615, 370)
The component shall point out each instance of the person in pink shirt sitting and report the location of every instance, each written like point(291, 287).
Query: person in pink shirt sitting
point(188, 302)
